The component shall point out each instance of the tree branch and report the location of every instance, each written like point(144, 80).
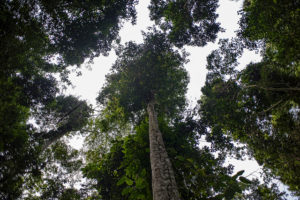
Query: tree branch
point(272, 106)
point(70, 112)
point(274, 89)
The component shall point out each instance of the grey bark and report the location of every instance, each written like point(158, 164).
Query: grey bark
point(163, 180)
point(55, 136)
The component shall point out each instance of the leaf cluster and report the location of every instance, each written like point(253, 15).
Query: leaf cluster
point(147, 72)
point(187, 22)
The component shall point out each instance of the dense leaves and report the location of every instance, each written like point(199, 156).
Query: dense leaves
point(189, 22)
point(259, 105)
point(75, 30)
point(124, 172)
point(40, 38)
point(276, 23)
point(145, 72)
point(58, 177)
point(21, 154)
point(266, 120)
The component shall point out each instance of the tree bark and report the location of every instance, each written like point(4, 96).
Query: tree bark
point(163, 180)
point(53, 136)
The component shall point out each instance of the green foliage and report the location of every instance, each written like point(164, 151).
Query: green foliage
point(12, 116)
point(124, 171)
point(75, 30)
point(262, 192)
point(60, 172)
point(186, 22)
point(38, 39)
point(145, 72)
point(21, 156)
point(262, 118)
point(65, 111)
point(105, 168)
point(276, 23)
point(258, 105)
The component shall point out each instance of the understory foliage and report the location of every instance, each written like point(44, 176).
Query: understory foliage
point(123, 171)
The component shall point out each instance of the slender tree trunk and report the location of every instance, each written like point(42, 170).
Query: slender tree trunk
point(163, 180)
point(54, 136)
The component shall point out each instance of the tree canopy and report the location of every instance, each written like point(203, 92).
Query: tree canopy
point(259, 105)
point(145, 72)
point(40, 39)
point(187, 22)
point(144, 94)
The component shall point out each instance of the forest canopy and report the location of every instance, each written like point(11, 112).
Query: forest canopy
point(142, 141)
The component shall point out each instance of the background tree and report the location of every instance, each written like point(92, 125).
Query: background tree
point(39, 39)
point(276, 24)
point(259, 105)
point(59, 177)
point(21, 158)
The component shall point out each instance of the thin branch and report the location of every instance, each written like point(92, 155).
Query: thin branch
point(252, 172)
point(70, 112)
point(42, 134)
point(274, 89)
point(271, 107)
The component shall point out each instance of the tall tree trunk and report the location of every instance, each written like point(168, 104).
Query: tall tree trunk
point(163, 180)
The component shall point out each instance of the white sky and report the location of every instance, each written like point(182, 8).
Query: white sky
point(89, 84)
